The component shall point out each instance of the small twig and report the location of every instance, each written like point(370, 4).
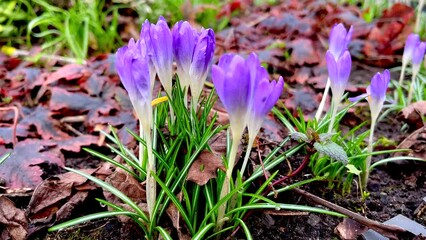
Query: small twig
point(384, 229)
point(72, 129)
point(15, 121)
point(73, 119)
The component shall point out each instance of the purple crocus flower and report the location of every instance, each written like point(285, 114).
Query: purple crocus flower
point(410, 46)
point(158, 41)
point(133, 69)
point(418, 54)
point(193, 53)
point(339, 40)
point(376, 92)
point(184, 41)
point(263, 94)
point(231, 78)
point(338, 71)
point(201, 62)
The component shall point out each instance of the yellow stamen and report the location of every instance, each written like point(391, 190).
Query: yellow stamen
point(8, 50)
point(159, 100)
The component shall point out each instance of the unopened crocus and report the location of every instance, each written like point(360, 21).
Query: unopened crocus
point(185, 38)
point(264, 95)
point(409, 49)
point(133, 69)
point(158, 41)
point(339, 41)
point(231, 78)
point(193, 53)
point(376, 95)
point(201, 63)
point(416, 61)
point(338, 73)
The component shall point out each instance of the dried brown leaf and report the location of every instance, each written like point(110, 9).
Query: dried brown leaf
point(13, 223)
point(349, 229)
point(205, 168)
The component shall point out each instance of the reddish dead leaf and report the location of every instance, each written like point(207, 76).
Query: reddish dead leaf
point(58, 196)
point(78, 102)
point(389, 35)
point(305, 98)
point(13, 223)
point(205, 168)
point(303, 52)
point(75, 144)
point(25, 165)
point(46, 126)
point(416, 142)
point(413, 114)
point(349, 229)
point(68, 72)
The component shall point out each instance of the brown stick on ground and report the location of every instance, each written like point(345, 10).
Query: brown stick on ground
point(386, 230)
point(15, 121)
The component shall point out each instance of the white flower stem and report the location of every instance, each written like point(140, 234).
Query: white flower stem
point(236, 137)
point(366, 173)
point(413, 81)
point(141, 146)
point(401, 77)
point(324, 98)
point(248, 151)
point(185, 97)
point(333, 116)
point(151, 185)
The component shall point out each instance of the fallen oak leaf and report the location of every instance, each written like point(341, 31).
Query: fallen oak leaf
point(13, 219)
point(205, 168)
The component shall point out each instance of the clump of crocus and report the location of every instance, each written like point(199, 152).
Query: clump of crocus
point(416, 61)
point(339, 70)
point(134, 71)
point(339, 41)
point(409, 49)
point(193, 52)
point(244, 88)
point(264, 95)
point(376, 94)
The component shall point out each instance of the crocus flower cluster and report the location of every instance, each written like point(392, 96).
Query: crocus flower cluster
point(248, 95)
point(193, 53)
point(339, 65)
point(141, 61)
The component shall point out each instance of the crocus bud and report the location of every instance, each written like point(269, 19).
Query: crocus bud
point(201, 62)
point(338, 71)
point(158, 40)
point(184, 40)
point(409, 48)
point(376, 92)
point(418, 54)
point(339, 40)
point(231, 78)
point(193, 53)
point(133, 69)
